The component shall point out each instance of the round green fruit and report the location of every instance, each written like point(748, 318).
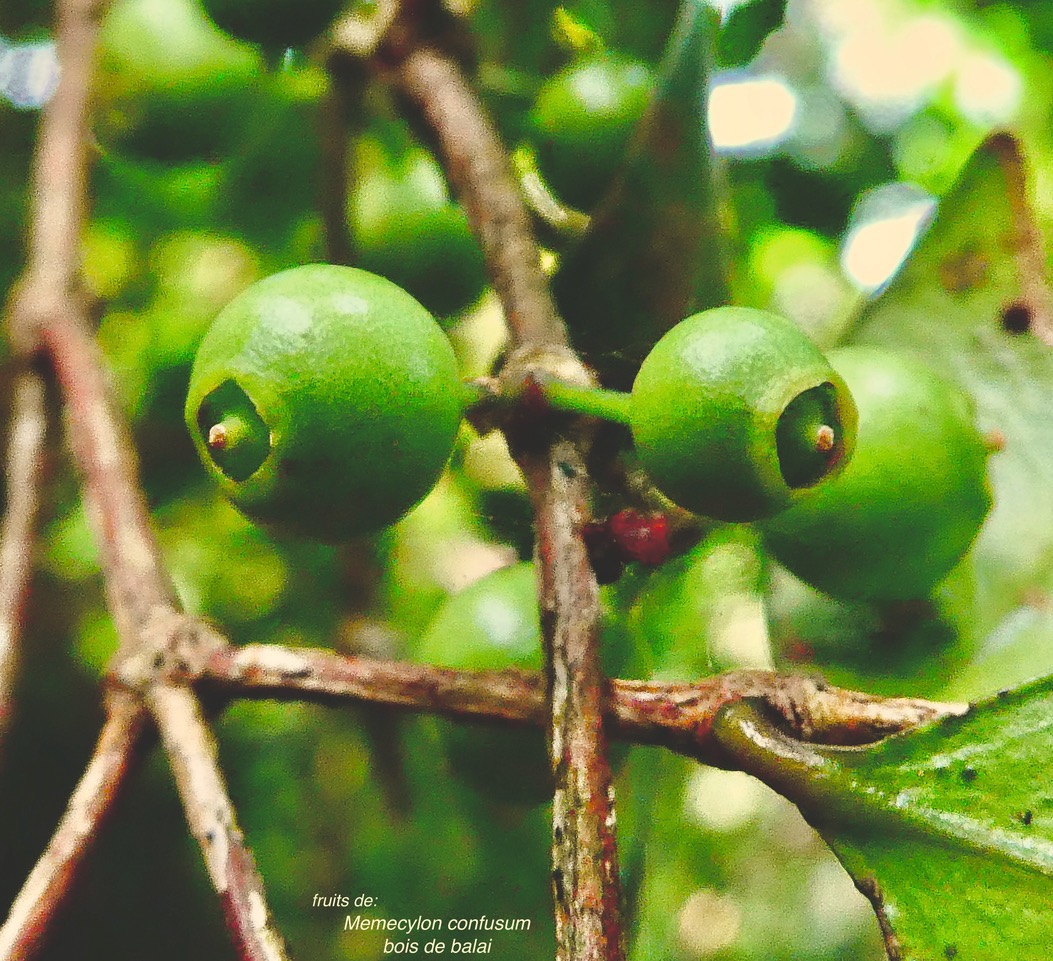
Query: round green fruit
point(274, 24)
point(325, 401)
point(736, 414)
point(405, 227)
point(171, 86)
point(912, 499)
point(582, 121)
point(493, 625)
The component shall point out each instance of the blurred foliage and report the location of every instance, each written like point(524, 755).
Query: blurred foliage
point(857, 95)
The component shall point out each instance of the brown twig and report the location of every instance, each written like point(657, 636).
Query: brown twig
point(24, 465)
point(89, 806)
point(333, 142)
point(48, 312)
point(48, 297)
point(60, 169)
point(584, 852)
point(144, 610)
point(192, 752)
point(168, 643)
point(480, 171)
point(585, 861)
point(136, 583)
point(676, 716)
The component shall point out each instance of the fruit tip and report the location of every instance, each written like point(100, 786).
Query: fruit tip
point(825, 438)
point(217, 437)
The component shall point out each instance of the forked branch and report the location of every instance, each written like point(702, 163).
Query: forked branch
point(48, 314)
point(584, 852)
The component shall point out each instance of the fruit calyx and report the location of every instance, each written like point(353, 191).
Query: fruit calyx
point(809, 439)
point(236, 437)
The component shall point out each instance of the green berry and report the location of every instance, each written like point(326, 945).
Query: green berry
point(274, 24)
point(405, 227)
point(324, 400)
point(493, 625)
point(736, 414)
point(912, 499)
point(170, 85)
point(582, 121)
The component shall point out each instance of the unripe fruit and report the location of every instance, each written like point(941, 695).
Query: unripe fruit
point(405, 227)
point(324, 400)
point(274, 24)
point(493, 625)
point(170, 85)
point(736, 414)
point(582, 121)
point(911, 501)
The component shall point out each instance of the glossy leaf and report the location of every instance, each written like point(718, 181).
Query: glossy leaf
point(948, 829)
point(654, 251)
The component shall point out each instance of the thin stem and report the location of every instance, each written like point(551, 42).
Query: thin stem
point(60, 167)
point(676, 716)
point(475, 393)
point(334, 140)
point(584, 851)
point(610, 405)
point(49, 312)
point(136, 582)
point(25, 457)
point(480, 171)
point(192, 753)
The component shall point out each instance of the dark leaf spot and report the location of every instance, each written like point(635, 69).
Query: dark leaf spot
point(969, 775)
point(1016, 318)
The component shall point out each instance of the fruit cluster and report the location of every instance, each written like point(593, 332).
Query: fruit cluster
point(326, 400)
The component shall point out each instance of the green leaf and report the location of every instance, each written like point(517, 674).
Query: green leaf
point(654, 251)
point(746, 28)
point(947, 829)
point(977, 272)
